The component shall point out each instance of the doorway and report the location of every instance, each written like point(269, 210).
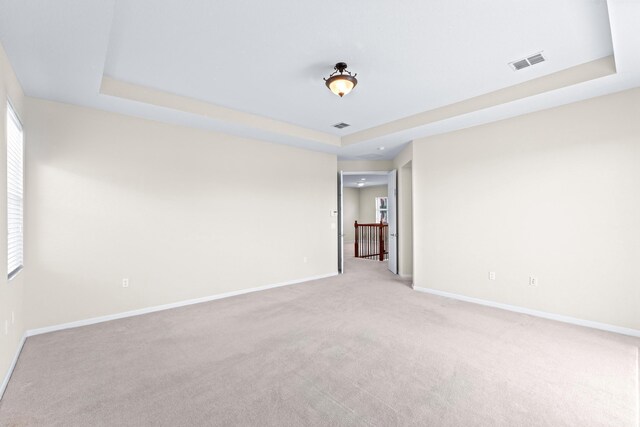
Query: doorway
point(367, 217)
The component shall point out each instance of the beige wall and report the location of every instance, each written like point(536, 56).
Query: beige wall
point(365, 165)
point(182, 213)
point(11, 292)
point(351, 212)
point(553, 194)
point(359, 205)
point(368, 202)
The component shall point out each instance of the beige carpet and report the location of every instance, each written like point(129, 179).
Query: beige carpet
point(359, 349)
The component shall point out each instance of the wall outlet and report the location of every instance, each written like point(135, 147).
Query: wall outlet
point(125, 283)
point(533, 281)
point(492, 275)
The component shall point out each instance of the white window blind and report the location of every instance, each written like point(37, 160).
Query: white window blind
point(15, 150)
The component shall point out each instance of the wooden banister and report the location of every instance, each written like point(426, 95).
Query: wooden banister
point(357, 238)
point(371, 240)
point(381, 240)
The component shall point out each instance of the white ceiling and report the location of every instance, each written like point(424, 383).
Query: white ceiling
point(366, 179)
point(269, 58)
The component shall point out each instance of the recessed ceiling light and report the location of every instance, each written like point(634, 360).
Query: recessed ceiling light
point(360, 184)
point(380, 148)
point(363, 179)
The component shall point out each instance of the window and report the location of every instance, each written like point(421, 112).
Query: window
point(381, 209)
point(15, 150)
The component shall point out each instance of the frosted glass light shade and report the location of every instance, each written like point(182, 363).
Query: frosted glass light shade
point(341, 84)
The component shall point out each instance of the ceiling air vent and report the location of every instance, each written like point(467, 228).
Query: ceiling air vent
point(341, 125)
point(527, 62)
point(519, 65)
point(535, 59)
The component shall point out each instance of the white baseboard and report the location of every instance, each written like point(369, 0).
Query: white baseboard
point(537, 313)
point(100, 319)
point(7, 377)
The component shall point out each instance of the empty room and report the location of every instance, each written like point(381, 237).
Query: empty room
point(291, 213)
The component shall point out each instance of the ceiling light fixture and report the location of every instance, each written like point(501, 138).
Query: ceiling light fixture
point(360, 184)
point(341, 84)
point(380, 148)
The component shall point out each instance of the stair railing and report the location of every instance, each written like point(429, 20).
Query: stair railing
point(371, 241)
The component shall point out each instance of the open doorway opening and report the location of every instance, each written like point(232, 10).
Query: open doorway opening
point(367, 217)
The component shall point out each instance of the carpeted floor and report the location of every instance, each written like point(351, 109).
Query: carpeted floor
point(358, 349)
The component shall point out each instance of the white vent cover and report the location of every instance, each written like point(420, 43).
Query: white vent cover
point(341, 125)
point(527, 62)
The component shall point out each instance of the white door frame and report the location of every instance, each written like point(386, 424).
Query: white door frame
point(392, 219)
point(340, 224)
